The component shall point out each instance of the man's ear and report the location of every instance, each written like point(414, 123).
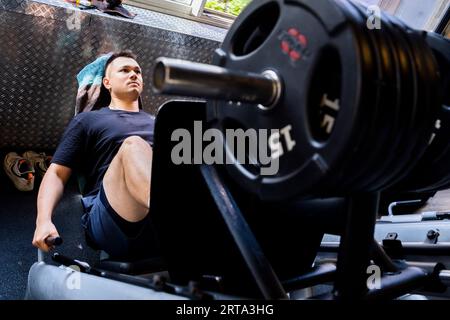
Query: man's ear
point(106, 83)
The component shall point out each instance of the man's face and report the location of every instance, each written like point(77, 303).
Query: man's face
point(124, 78)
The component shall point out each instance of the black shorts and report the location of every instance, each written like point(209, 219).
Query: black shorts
point(111, 233)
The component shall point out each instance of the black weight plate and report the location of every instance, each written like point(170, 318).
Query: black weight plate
point(421, 92)
point(431, 70)
point(383, 140)
point(389, 158)
point(322, 49)
point(408, 100)
point(432, 172)
point(370, 113)
point(428, 94)
point(399, 98)
point(438, 170)
point(369, 106)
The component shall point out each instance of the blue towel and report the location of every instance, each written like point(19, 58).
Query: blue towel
point(93, 73)
point(91, 93)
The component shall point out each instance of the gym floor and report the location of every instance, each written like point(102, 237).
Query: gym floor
point(17, 218)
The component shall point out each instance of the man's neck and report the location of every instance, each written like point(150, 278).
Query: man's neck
point(118, 104)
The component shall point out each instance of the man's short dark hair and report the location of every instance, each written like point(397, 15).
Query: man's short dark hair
point(115, 55)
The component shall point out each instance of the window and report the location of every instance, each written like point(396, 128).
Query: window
point(230, 7)
point(419, 14)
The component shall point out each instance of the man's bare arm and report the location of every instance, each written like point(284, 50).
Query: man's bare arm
point(50, 192)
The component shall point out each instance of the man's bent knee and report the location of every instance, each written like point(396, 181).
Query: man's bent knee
point(134, 145)
point(135, 141)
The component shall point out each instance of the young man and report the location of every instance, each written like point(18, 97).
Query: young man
point(111, 147)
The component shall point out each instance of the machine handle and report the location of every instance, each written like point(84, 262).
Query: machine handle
point(50, 241)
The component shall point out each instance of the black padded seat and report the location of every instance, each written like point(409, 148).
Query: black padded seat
point(145, 266)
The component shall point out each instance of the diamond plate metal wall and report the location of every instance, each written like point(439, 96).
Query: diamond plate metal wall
point(43, 47)
point(156, 20)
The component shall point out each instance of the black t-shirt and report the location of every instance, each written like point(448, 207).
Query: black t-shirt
point(93, 138)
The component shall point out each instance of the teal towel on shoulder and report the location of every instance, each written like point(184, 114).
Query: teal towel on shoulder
point(93, 73)
point(91, 95)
